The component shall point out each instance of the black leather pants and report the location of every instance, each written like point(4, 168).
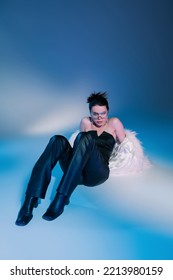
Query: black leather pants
point(82, 164)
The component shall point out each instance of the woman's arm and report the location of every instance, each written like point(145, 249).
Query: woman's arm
point(119, 129)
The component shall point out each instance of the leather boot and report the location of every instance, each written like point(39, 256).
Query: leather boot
point(25, 214)
point(56, 208)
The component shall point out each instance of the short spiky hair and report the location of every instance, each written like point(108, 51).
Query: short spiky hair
point(98, 98)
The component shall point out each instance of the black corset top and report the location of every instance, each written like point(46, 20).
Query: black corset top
point(105, 142)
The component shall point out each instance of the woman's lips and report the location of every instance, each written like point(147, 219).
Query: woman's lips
point(99, 122)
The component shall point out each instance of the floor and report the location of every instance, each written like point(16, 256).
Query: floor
point(120, 219)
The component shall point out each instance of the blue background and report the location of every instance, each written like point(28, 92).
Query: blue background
point(53, 54)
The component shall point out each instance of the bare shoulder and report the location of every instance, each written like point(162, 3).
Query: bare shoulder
point(85, 124)
point(115, 122)
point(85, 121)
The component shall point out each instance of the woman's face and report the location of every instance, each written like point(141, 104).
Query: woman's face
point(99, 115)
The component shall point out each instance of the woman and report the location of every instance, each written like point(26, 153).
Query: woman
point(86, 163)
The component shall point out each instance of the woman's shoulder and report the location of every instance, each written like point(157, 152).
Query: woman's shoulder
point(86, 120)
point(85, 123)
point(114, 120)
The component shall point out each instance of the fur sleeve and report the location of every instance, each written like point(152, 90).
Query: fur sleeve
point(128, 157)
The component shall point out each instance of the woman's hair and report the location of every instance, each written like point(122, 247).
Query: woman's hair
point(98, 98)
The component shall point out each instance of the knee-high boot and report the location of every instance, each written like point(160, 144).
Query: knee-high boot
point(58, 148)
point(83, 146)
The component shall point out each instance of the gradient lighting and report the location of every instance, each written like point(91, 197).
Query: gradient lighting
point(53, 54)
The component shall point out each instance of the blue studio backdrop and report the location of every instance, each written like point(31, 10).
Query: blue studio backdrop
point(53, 54)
